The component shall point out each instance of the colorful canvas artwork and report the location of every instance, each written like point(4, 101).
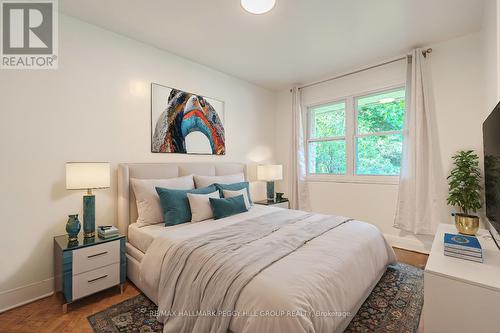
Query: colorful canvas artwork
point(186, 123)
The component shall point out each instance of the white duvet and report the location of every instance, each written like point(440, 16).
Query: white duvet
point(317, 288)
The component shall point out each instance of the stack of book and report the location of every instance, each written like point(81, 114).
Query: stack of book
point(107, 231)
point(463, 247)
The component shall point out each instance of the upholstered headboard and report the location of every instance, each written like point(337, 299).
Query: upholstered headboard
point(127, 208)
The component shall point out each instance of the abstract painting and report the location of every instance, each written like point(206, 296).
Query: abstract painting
point(186, 123)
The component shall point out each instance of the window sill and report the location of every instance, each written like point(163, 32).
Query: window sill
point(382, 180)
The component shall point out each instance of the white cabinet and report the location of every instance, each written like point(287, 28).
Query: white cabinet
point(461, 295)
point(88, 265)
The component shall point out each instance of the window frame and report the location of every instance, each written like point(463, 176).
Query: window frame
point(351, 135)
point(309, 139)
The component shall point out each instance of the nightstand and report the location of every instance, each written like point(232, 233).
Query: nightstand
point(283, 203)
point(462, 295)
point(88, 265)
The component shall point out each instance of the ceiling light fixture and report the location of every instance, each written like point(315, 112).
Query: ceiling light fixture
point(258, 6)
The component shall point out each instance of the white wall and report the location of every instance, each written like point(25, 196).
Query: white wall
point(458, 77)
point(490, 52)
point(95, 107)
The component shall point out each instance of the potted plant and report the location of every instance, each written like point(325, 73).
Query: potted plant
point(464, 191)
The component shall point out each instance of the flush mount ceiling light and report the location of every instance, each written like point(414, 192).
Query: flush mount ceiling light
point(258, 6)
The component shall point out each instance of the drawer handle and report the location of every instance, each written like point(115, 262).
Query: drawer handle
point(99, 278)
point(97, 255)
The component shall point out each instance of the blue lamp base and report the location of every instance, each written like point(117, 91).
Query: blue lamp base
point(89, 215)
point(270, 190)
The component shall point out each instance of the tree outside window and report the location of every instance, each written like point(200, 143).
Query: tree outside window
point(357, 136)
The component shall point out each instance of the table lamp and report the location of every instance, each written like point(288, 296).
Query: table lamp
point(87, 176)
point(270, 173)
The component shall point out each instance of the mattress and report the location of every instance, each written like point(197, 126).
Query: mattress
point(142, 237)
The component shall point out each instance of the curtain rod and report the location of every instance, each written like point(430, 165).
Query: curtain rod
point(424, 53)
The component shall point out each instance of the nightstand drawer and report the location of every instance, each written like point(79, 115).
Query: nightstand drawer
point(92, 257)
point(91, 282)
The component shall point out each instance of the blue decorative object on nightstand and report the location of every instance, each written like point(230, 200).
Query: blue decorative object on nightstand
point(270, 173)
point(87, 175)
point(73, 227)
point(89, 215)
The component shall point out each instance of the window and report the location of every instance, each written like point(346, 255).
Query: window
point(379, 133)
point(327, 142)
point(358, 136)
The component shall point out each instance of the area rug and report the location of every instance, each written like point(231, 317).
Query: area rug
point(394, 305)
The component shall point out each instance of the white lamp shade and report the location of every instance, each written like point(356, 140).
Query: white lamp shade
point(83, 176)
point(270, 172)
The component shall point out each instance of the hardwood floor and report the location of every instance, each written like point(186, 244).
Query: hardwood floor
point(46, 315)
point(411, 257)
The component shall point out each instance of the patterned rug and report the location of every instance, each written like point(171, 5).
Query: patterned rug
point(394, 305)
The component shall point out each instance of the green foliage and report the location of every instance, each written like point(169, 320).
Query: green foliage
point(376, 155)
point(327, 157)
point(329, 124)
point(379, 155)
point(381, 117)
point(464, 187)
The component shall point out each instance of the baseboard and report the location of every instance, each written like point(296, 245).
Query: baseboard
point(13, 298)
point(406, 243)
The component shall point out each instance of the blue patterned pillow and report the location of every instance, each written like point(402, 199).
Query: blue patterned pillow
point(226, 207)
point(175, 203)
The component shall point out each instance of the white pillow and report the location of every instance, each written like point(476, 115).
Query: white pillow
point(148, 203)
point(244, 192)
point(204, 181)
point(200, 206)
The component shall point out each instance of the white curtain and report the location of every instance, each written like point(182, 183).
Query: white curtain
point(299, 197)
point(419, 207)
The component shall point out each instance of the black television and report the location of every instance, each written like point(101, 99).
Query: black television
point(491, 145)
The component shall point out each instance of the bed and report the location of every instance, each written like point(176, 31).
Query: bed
point(316, 285)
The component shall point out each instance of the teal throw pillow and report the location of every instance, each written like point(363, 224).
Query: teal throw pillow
point(225, 207)
point(175, 203)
